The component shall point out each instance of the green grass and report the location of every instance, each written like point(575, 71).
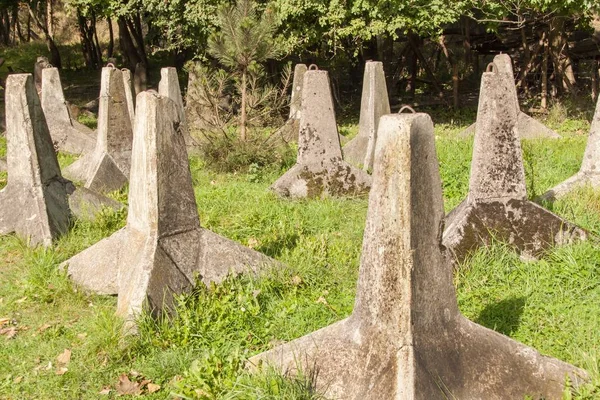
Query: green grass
point(552, 304)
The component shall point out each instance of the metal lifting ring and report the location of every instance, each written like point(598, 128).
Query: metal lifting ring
point(313, 67)
point(406, 107)
point(110, 65)
point(491, 67)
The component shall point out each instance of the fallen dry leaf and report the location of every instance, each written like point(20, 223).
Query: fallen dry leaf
point(61, 371)
point(296, 280)
point(22, 299)
point(253, 243)
point(125, 386)
point(4, 321)
point(152, 388)
point(8, 333)
point(18, 379)
point(64, 358)
point(105, 391)
point(44, 327)
point(82, 335)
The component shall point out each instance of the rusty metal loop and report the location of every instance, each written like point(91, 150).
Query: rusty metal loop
point(406, 107)
point(491, 67)
point(313, 67)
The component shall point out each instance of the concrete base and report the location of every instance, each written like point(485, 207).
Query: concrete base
point(523, 224)
point(34, 202)
point(527, 128)
point(329, 178)
point(86, 204)
point(580, 179)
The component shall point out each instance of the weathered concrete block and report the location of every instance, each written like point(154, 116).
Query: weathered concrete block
point(34, 202)
point(67, 134)
point(128, 84)
point(289, 132)
point(406, 338)
point(373, 104)
point(527, 127)
point(162, 249)
point(319, 168)
point(589, 173)
point(107, 167)
point(169, 87)
point(497, 205)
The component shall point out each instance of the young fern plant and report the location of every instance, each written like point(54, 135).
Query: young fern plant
point(245, 37)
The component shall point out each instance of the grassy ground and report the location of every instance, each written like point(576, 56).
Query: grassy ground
point(67, 344)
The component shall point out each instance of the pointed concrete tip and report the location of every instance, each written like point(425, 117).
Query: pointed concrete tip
point(318, 130)
point(128, 83)
point(497, 170)
point(405, 208)
point(169, 87)
point(107, 167)
point(67, 136)
point(34, 202)
point(406, 338)
point(373, 104)
point(526, 126)
point(297, 84)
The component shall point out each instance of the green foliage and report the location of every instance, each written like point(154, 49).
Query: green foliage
point(183, 24)
point(225, 154)
point(244, 38)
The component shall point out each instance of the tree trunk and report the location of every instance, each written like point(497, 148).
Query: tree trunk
point(455, 84)
point(127, 47)
point(86, 46)
point(545, 75)
point(28, 28)
point(49, 15)
point(595, 76)
point(243, 110)
point(563, 68)
point(111, 39)
point(95, 39)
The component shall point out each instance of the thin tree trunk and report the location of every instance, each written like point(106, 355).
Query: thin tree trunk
point(595, 76)
point(563, 68)
point(455, 84)
point(425, 65)
point(49, 15)
point(96, 43)
point(54, 53)
point(111, 39)
point(545, 75)
point(243, 110)
point(127, 46)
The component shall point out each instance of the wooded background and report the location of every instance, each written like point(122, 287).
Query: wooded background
point(435, 47)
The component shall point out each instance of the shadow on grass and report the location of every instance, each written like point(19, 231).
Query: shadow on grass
point(504, 316)
point(274, 248)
